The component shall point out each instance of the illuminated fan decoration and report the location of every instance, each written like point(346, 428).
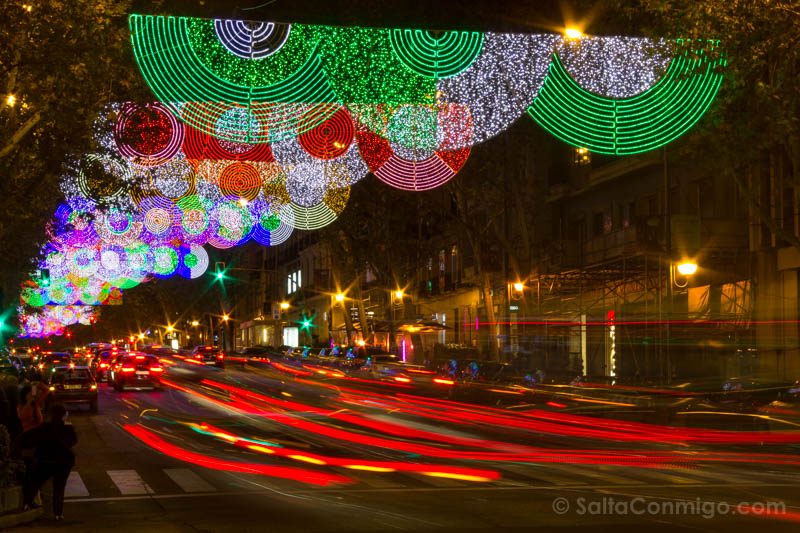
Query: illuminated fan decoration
point(416, 154)
point(436, 54)
point(199, 145)
point(251, 40)
point(112, 263)
point(500, 84)
point(117, 227)
point(183, 61)
point(324, 157)
point(193, 262)
point(97, 179)
point(147, 134)
point(165, 261)
point(321, 201)
point(173, 179)
point(196, 224)
point(240, 181)
point(234, 224)
point(614, 67)
point(265, 77)
point(634, 124)
point(160, 217)
point(271, 229)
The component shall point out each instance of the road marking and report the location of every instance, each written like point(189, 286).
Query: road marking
point(128, 482)
point(339, 490)
point(76, 488)
point(188, 480)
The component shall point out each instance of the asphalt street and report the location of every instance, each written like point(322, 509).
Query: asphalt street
point(256, 449)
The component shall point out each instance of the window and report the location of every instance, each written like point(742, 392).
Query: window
point(294, 281)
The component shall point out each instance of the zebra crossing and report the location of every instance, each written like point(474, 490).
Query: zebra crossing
point(175, 481)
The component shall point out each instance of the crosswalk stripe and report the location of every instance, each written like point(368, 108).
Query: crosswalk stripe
point(188, 480)
point(128, 482)
point(76, 488)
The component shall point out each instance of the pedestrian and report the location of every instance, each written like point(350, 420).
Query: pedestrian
point(54, 458)
point(29, 409)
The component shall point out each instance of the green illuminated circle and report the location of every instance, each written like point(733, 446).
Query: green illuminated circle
point(629, 125)
point(190, 260)
point(436, 55)
point(270, 222)
point(183, 62)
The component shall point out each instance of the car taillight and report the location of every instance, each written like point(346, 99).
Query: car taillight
point(103, 365)
point(92, 387)
point(128, 369)
point(156, 369)
point(221, 356)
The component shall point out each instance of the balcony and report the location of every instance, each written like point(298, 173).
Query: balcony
point(628, 241)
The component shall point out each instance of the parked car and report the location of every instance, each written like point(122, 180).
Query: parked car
point(135, 370)
point(72, 384)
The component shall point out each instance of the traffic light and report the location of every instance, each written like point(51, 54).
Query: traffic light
point(219, 268)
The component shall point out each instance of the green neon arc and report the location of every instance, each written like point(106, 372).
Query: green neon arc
point(629, 125)
point(176, 75)
point(433, 57)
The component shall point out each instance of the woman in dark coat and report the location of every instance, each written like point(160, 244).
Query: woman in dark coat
point(54, 458)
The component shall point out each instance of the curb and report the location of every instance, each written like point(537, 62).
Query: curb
point(21, 517)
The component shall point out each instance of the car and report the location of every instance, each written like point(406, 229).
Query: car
point(101, 362)
point(11, 367)
point(135, 370)
point(209, 355)
point(70, 384)
point(49, 360)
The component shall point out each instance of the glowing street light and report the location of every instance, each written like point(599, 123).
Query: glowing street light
point(226, 317)
point(11, 100)
point(573, 33)
point(687, 269)
point(284, 305)
point(170, 329)
point(519, 286)
point(141, 336)
point(339, 296)
point(399, 294)
point(195, 323)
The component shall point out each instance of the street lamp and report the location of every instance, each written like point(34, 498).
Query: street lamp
point(195, 323)
point(686, 269)
point(398, 294)
point(170, 329)
point(573, 33)
point(284, 306)
point(339, 297)
point(519, 286)
point(226, 317)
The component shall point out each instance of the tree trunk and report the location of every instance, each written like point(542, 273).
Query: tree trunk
point(491, 318)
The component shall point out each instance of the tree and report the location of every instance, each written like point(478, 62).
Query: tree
point(60, 62)
point(755, 120)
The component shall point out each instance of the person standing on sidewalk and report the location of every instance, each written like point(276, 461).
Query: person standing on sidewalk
point(54, 458)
